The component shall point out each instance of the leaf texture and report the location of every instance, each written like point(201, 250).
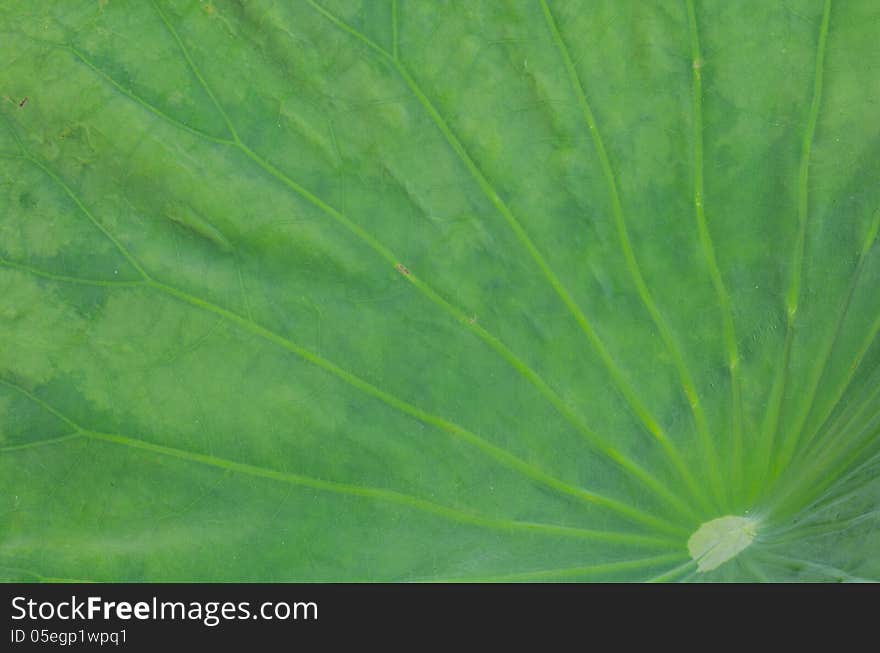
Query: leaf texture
point(408, 291)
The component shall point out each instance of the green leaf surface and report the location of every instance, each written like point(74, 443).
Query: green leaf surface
point(411, 291)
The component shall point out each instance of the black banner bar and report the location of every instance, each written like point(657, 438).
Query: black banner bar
point(281, 616)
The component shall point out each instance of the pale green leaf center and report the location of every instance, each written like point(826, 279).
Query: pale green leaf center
point(717, 541)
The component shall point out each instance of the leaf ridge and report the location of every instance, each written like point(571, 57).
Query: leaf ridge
point(632, 265)
point(568, 572)
point(793, 294)
point(39, 443)
point(139, 100)
point(708, 247)
point(499, 454)
point(68, 279)
point(373, 493)
point(793, 563)
point(195, 70)
point(807, 405)
point(338, 487)
point(673, 573)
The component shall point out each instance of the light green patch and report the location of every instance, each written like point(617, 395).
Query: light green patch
point(35, 224)
point(719, 540)
point(37, 330)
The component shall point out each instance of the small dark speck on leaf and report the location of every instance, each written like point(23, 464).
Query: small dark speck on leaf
point(23, 102)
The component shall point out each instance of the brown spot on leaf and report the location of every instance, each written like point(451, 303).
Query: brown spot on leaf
point(400, 267)
point(23, 102)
